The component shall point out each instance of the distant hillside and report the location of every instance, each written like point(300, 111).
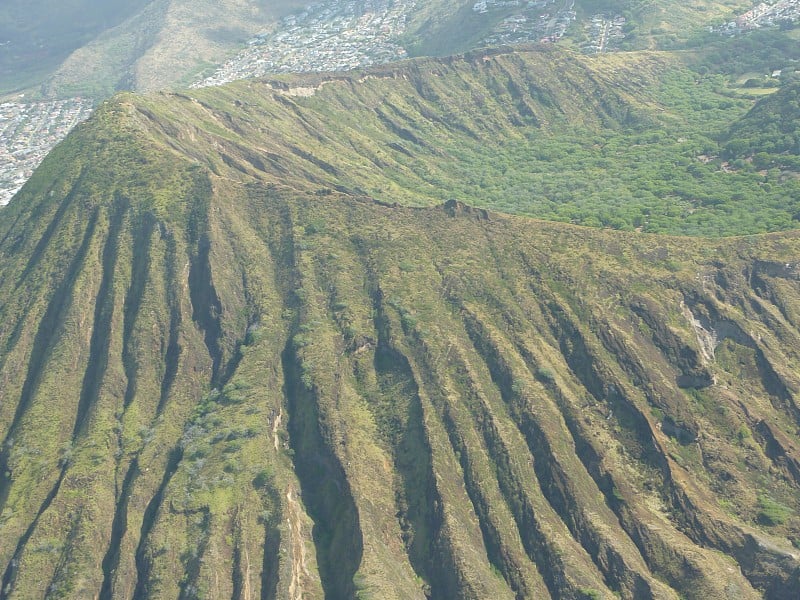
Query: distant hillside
point(37, 35)
point(164, 45)
point(82, 49)
point(451, 27)
point(669, 23)
point(770, 131)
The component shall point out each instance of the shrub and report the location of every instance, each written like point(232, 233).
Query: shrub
point(262, 479)
point(545, 375)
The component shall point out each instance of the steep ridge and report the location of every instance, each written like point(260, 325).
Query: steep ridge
point(333, 130)
point(220, 383)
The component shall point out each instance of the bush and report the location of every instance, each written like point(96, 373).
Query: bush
point(545, 375)
point(262, 479)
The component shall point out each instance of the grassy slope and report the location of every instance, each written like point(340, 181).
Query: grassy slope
point(224, 384)
point(772, 127)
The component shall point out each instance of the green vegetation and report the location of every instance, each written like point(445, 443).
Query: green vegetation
point(760, 51)
point(226, 367)
point(284, 339)
point(441, 28)
point(772, 512)
point(770, 133)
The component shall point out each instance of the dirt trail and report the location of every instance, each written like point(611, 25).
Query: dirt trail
point(299, 555)
point(275, 426)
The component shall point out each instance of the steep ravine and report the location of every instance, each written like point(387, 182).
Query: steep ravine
point(325, 489)
point(419, 502)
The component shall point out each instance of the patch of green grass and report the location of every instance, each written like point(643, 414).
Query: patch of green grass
point(771, 512)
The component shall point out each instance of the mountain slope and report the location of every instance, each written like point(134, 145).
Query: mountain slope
point(163, 45)
point(37, 35)
point(772, 127)
point(83, 49)
point(444, 28)
point(217, 384)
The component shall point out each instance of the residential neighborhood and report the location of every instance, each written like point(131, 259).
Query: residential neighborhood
point(537, 21)
point(763, 14)
point(28, 131)
point(605, 33)
point(336, 35)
